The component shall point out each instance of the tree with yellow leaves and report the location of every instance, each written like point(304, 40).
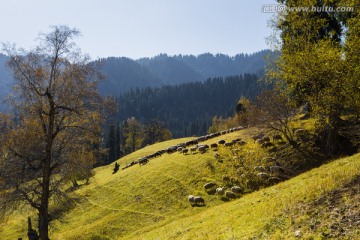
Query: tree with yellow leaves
point(58, 123)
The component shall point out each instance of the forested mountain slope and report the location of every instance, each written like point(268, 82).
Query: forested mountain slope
point(187, 109)
point(123, 74)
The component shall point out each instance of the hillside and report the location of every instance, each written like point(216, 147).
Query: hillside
point(150, 201)
point(170, 103)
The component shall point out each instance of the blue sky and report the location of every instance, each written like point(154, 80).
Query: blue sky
point(142, 28)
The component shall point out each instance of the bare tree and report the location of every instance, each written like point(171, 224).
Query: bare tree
point(275, 111)
point(58, 121)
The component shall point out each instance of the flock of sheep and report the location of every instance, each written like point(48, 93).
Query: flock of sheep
point(212, 188)
point(230, 191)
point(271, 174)
point(191, 146)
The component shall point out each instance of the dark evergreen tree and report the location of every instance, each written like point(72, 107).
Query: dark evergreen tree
point(187, 109)
point(118, 152)
point(111, 144)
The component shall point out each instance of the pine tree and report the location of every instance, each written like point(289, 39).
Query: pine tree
point(111, 144)
point(118, 141)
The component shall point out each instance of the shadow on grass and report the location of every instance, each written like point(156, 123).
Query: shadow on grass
point(198, 205)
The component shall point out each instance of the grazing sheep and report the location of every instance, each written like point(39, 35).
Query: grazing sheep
point(193, 150)
point(226, 178)
point(241, 143)
point(198, 199)
point(259, 169)
point(191, 198)
point(213, 145)
point(185, 151)
point(209, 185)
point(234, 180)
point(277, 170)
point(192, 142)
point(171, 149)
point(262, 175)
point(274, 180)
point(143, 161)
point(228, 144)
point(202, 149)
point(179, 149)
point(230, 195)
point(222, 141)
point(236, 189)
point(220, 191)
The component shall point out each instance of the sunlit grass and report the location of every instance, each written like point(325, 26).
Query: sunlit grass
point(150, 201)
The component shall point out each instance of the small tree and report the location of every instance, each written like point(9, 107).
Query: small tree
point(155, 131)
point(58, 121)
point(244, 110)
point(314, 65)
point(118, 142)
point(111, 144)
point(134, 135)
point(275, 111)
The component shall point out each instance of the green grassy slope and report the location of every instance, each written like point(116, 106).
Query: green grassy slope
point(150, 202)
point(269, 213)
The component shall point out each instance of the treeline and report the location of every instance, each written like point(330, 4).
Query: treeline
point(187, 109)
point(130, 135)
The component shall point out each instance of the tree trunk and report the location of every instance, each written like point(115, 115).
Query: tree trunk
point(43, 214)
point(44, 206)
point(331, 140)
point(330, 136)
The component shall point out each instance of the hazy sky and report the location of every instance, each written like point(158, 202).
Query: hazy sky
point(142, 28)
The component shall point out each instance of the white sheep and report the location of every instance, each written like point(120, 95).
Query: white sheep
point(230, 195)
point(236, 189)
point(220, 191)
point(198, 199)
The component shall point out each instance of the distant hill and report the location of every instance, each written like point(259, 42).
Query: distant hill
point(123, 74)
